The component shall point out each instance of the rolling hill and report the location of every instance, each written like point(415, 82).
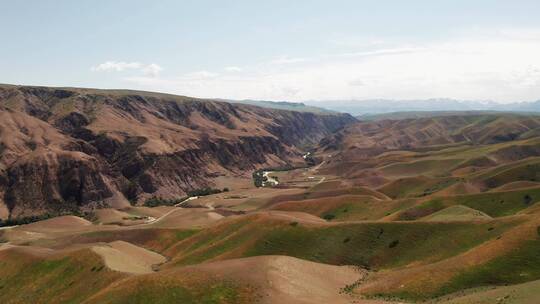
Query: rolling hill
point(439, 209)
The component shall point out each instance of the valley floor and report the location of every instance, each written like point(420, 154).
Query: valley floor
point(404, 232)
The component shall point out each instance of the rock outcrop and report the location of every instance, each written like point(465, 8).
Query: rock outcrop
point(64, 149)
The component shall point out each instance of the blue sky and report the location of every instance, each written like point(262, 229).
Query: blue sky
point(278, 50)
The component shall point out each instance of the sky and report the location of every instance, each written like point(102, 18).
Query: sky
point(278, 50)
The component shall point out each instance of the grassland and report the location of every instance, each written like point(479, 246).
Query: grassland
point(448, 218)
point(373, 245)
point(70, 278)
point(494, 204)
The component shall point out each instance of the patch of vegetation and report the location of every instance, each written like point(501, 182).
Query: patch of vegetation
point(158, 201)
point(329, 216)
point(32, 145)
point(154, 239)
point(366, 246)
point(416, 186)
point(25, 220)
point(209, 244)
point(90, 216)
point(527, 171)
point(71, 278)
point(309, 159)
point(517, 266)
point(494, 204)
point(422, 210)
point(148, 291)
point(206, 191)
point(258, 178)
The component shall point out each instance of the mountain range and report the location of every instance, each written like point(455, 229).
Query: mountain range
point(377, 106)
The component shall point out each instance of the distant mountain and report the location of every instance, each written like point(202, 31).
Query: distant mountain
point(284, 105)
point(423, 114)
point(377, 106)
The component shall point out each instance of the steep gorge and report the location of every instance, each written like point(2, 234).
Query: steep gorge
point(71, 149)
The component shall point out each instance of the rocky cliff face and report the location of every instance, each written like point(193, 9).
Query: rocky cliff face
point(81, 148)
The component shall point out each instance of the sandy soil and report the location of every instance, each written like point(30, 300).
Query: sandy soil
point(291, 280)
point(29, 250)
point(526, 293)
point(131, 216)
point(111, 216)
point(4, 212)
point(61, 223)
point(186, 218)
point(126, 257)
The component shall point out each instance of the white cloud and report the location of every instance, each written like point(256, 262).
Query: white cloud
point(201, 75)
point(233, 69)
point(502, 65)
point(357, 82)
point(117, 66)
point(288, 60)
point(152, 69)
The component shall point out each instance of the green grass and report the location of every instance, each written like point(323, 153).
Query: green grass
point(68, 279)
point(501, 169)
point(494, 204)
point(155, 239)
point(416, 186)
point(365, 244)
point(525, 172)
point(375, 245)
point(228, 239)
point(456, 212)
point(148, 291)
point(347, 207)
point(518, 266)
point(355, 210)
point(428, 167)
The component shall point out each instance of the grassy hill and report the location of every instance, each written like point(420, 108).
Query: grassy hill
point(439, 209)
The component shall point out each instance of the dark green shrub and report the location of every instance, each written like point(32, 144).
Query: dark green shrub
point(393, 244)
point(329, 217)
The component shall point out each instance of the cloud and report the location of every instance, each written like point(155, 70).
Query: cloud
point(200, 75)
point(501, 65)
point(288, 60)
point(357, 82)
point(233, 69)
point(151, 69)
point(117, 66)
